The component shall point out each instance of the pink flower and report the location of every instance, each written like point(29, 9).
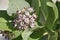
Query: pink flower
point(34, 15)
point(27, 13)
point(32, 20)
point(25, 19)
point(32, 25)
point(30, 9)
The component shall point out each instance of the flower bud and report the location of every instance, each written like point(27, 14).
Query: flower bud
point(34, 16)
point(30, 9)
point(23, 10)
point(26, 20)
point(27, 13)
point(32, 25)
point(32, 20)
point(15, 25)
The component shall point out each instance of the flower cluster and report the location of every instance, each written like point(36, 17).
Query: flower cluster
point(25, 18)
point(7, 34)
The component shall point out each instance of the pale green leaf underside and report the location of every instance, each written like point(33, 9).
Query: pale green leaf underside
point(26, 33)
point(16, 5)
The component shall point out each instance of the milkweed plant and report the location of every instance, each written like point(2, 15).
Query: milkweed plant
point(31, 20)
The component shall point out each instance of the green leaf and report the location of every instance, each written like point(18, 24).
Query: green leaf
point(52, 17)
point(33, 39)
point(43, 12)
point(44, 8)
point(8, 26)
point(37, 34)
point(18, 38)
point(35, 5)
point(45, 37)
point(2, 19)
point(53, 36)
point(58, 6)
point(17, 33)
point(37, 26)
point(3, 25)
point(29, 1)
point(41, 18)
point(55, 9)
point(26, 34)
point(15, 5)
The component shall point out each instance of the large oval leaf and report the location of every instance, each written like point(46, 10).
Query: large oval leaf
point(44, 8)
point(53, 16)
point(15, 5)
point(43, 12)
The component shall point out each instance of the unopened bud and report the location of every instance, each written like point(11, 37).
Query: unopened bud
point(30, 9)
point(34, 16)
point(32, 25)
point(23, 10)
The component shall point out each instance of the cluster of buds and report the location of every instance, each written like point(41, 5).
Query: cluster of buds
point(7, 34)
point(26, 18)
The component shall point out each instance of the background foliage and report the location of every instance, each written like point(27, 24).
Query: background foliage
point(48, 21)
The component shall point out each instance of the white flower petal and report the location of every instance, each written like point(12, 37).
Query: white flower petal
point(32, 20)
point(23, 10)
point(26, 20)
point(27, 13)
point(24, 16)
point(19, 11)
point(20, 16)
point(22, 23)
point(32, 25)
point(15, 25)
point(19, 27)
point(30, 9)
point(30, 16)
point(34, 16)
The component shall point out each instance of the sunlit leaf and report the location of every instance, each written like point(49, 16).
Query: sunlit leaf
point(26, 34)
point(16, 5)
point(3, 25)
point(17, 33)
